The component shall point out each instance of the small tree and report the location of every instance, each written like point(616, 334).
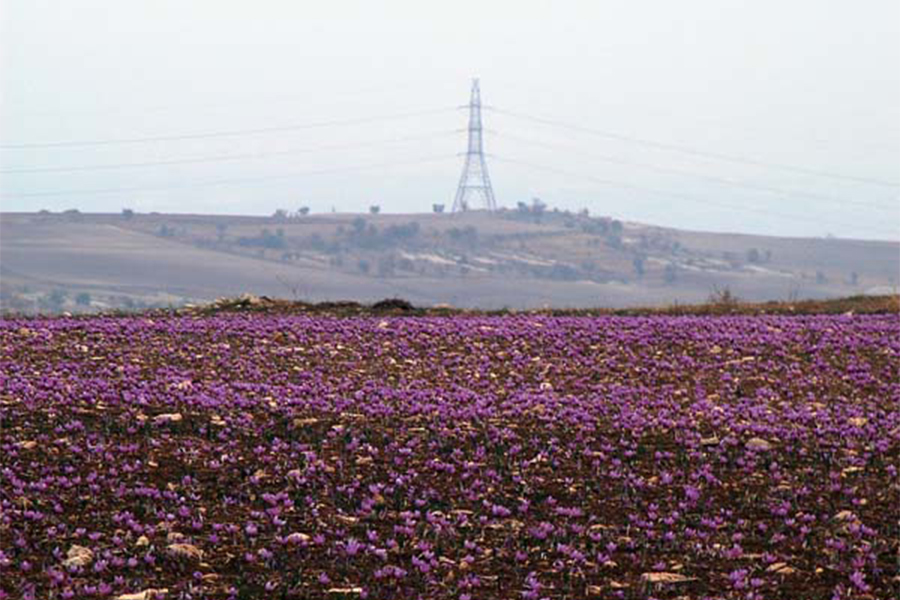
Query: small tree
point(304, 210)
point(670, 274)
point(753, 255)
point(437, 208)
point(83, 299)
point(538, 208)
point(638, 264)
point(127, 213)
point(280, 215)
point(56, 298)
point(722, 296)
point(374, 209)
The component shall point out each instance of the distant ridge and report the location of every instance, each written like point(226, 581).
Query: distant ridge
point(527, 258)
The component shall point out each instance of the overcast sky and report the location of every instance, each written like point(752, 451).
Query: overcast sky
point(771, 116)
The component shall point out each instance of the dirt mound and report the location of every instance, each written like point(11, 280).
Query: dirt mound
point(393, 304)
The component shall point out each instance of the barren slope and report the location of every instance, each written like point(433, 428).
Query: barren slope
point(490, 261)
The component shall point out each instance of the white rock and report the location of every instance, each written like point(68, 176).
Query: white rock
point(148, 594)
point(297, 538)
point(167, 418)
point(664, 577)
point(187, 551)
point(759, 444)
point(78, 556)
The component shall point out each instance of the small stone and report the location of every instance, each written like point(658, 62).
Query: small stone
point(148, 594)
point(346, 519)
point(858, 421)
point(347, 591)
point(142, 541)
point(781, 568)
point(665, 577)
point(304, 422)
point(710, 441)
point(27, 445)
point(167, 418)
point(759, 444)
point(297, 538)
point(844, 515)
point(185, 551)
point(78, 556)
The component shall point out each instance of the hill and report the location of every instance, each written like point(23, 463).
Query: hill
point(512, 258)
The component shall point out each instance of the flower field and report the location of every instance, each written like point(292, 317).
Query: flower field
point(464, 457)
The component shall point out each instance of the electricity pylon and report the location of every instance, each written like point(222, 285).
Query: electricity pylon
point(474, 179)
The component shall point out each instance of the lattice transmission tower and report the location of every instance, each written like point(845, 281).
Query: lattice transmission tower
point(474, 179)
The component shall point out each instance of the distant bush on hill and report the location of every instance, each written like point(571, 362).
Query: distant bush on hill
point(266, 239)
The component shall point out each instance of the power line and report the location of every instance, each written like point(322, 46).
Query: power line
point(720, 123)
point(689, 198)
point(257, 99)
point(225, 157)
point(227, 182)
point(702, 176)
point(229, 133)
point(694, 151)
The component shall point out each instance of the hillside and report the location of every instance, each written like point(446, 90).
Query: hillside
point(513, 258)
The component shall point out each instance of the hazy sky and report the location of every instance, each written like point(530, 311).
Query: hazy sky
point(808, 84)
